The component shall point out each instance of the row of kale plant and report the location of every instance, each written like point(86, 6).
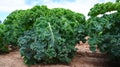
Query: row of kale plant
point(49, 35)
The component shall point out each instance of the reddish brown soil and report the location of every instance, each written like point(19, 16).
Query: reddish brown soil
point(84, 58)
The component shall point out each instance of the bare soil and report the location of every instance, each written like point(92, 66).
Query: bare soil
point(84, 58)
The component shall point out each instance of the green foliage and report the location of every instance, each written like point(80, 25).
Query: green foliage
point(35, 50)
point(3, 46)
point(53, 37)
point(117, 0)
point(21, 20)
point(14, 27)
point(104, 31)
point(103, 8)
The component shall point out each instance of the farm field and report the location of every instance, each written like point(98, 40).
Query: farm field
point(57, 37)
point(82, 59)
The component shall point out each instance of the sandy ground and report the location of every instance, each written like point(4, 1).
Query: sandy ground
point(84, 58)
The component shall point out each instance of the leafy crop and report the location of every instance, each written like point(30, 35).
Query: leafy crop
point(49, 35)
point(53, 36)
point(103, 8)
point(19, 21)
point(104, 31)
point(3, 46)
